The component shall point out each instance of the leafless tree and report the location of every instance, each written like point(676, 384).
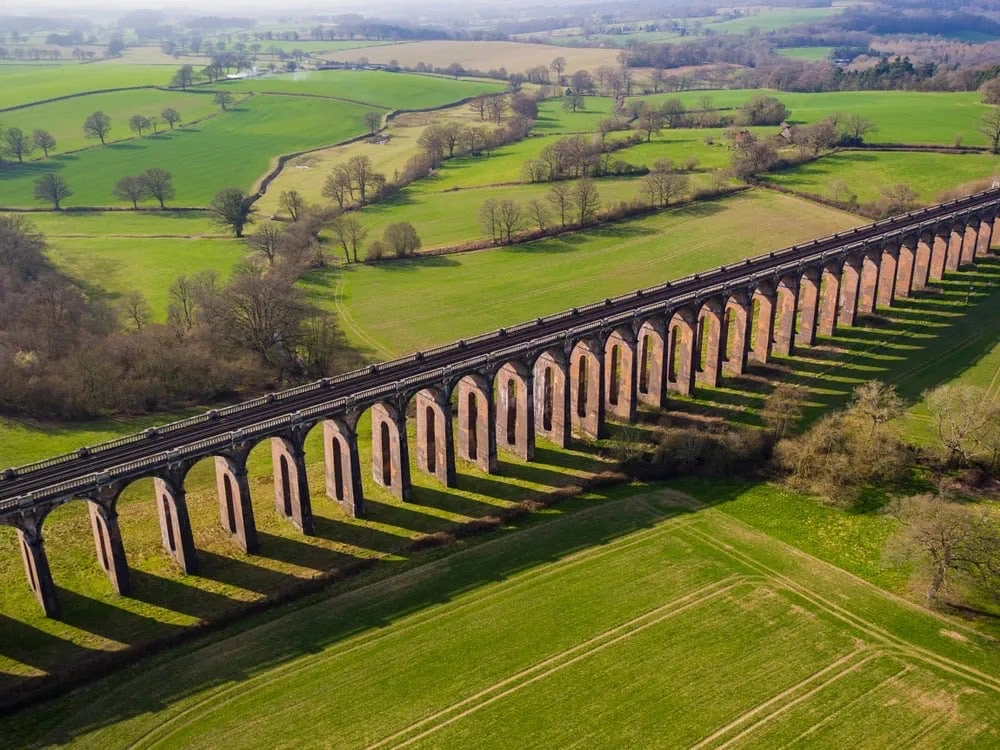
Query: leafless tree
point(350, 233)
point(560, 196)
point(586, 201)
point(292, 202)
point(267, 240)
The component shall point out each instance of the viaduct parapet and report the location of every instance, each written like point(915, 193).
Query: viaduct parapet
point(554, 377)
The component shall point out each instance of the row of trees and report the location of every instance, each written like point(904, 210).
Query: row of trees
point(577, 204)
point(18, 144)
point(154, 183)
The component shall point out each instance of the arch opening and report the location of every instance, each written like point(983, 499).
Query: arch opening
point(286, 486)
point(672, 349)
point(338, 470)
point(581, 390)
point(473, 425)
point(511, 420)
point(547, 399)
point(227, 484)
point(614, 386)
point(385, 442)
point(169, 521)
point(431, 438)
point(644, 364)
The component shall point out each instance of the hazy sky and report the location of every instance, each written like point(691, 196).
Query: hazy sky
point(268, 8)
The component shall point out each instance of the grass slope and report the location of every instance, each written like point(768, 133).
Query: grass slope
point(866, 173)
point(375, 87)
point(22, 84)
point(234, 148)
point(64, 118)
point(439, 299)
point(573, 616)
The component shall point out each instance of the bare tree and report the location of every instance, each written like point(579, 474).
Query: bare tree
point(223, 99)
point(509, 217)
point(967, 423)
point(171, 116)
point(479, 105)
point(232, 208)
point(402, 238)
point(951, 543)
point(362, 175)
point(336, 187)
point(855, 128)
point(291, 201)
point(875, 403)
point(131, 188)
point(496, 108)
point(373, 121)
point(783, 409)
point(136, 309)
point(560, 196)
point(538, 212)
point(350, 233)
point(97, 125)
point(138, 123)
point(662, 187)
point(44, 140)
point(489, 220)
point(586, 201)
point(53, 188)
point(159, 184)
point(267, 241)
point(650, 121)
point(558, 66)
point(17, 143)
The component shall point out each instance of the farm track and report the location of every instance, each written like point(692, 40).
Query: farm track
point(451, 356)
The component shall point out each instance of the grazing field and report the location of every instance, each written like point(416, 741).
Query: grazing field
point(373, 87)
point(443, 298)
point(23, 84)
point(64, 118)
point(866, 172)
point(943, 116)
point(806, 53)
point(766, 19)
point(485, 56)
point(805, 652)
point(234, 148)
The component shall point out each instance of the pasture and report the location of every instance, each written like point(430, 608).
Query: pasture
point(447, 297)
point(865, 173)
point(806, 53)
point(767, 18)
point(805, 652)
point(376, 88)
point(235, 148)
point(23, 84)
point(943, 116)
point(64, 118)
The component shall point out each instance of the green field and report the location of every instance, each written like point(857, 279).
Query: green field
point(867, 172)
point(766, 19)
point(375, 87)
point(444, 298)
point(234, 148)
point(64, 118)
point(571, 615)
point(22, 84)
point(806, 53)
point(943, 116)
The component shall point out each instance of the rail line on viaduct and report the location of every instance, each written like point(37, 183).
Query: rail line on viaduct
point(550, 377)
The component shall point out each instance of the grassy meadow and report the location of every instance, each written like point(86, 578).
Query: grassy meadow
point(64, 118)
point(23, 84)
point(234, 148)
point(515, 56)
point(865, 173)
point(806, 53)
point(586, 599)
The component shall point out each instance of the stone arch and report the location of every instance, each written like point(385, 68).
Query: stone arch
point(850, 285)
point(291, 483)
point(786, 305)
point(515, 410)
point(956, 240)
point(888, 258)
point(871, 269)
point(708, 347)
point(342, 463)
point(906, 265)
point(233, 489)
point(923, 260)
point(808, 304)
point(970, 240)
point(31, 544)
point(681, 345)
point(620, 373)
point(390, 451)
point(736, 320)
point(176, 534)
point(985, 236)
point(651, 362)
point(476, 419)
point(829, 298)
point(435, 443)
point(762, 303)
point(586, 377)
point(941, 239)
point(552, 397)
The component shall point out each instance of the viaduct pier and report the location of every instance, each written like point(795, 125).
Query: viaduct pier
point(552, 377)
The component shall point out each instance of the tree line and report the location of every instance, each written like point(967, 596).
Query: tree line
point(71, 353)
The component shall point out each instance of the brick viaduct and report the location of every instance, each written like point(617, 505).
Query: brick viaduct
point(551, 377)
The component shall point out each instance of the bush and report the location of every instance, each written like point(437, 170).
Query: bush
point(697, 452)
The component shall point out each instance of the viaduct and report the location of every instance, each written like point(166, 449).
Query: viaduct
point(553, 377)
